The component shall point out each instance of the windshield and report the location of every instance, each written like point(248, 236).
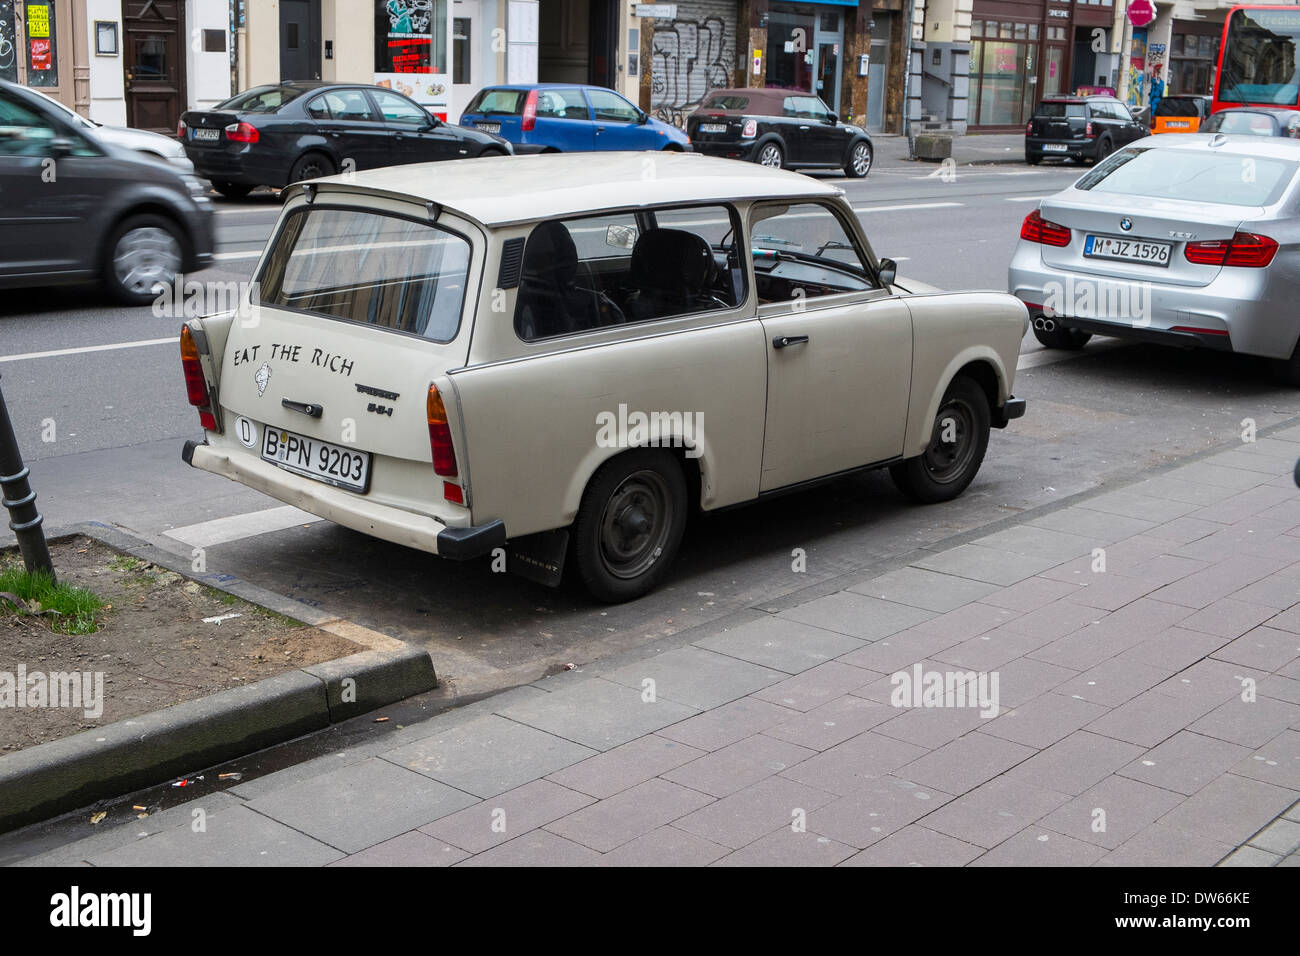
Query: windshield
point(727, 103)
point(1231, 121)
point(1259, 62)
point(261, 99)
point(507, 102)
point(1210, 176)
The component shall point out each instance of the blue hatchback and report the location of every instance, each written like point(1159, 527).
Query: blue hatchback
point(568, 118)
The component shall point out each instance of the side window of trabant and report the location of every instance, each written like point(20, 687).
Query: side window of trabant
point(802, 251)
point(588, 273)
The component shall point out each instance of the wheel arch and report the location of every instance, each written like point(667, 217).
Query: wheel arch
point(978, 362)
point(146, 207)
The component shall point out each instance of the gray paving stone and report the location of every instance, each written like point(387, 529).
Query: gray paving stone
point(506, 816)
point(1250, 856)
point(234, 837)
point(991, 650)
point(1282, 837)
point(1288, 620)
point(1184, 530)
point(1229, 618)
point(743, 763)
point(666, 846)
point(1104, 528)
point(931, 727)
point(898, 651)
point(1092, 645)
point(787, 848)
point(1185, 762)
point(1112, 812)
point(1074, 764)
point(628, 815)
point(598, 713)
point(1250, 724)
point(535, 848)
point(1160, 845)
point(1149, 718)
point(853, 764)
point(817, 686)
point(410, 849)
point(965, 763)
point(995, 811)
point(915, 845)
point(832, 723)
point(697, 678)
point(1277, 762)
point(928, 590)
point(1037, 846)
point(874, 811)
point(1264, 648)
point(1210, 682)
point(990, 565)
point(361, 805)
point(1045, 720)
point(756, 811)
point(1172, 649)
point(1130, 504)
point(489, 755)
point(1110, 592)
point(1024, 678)
point(1277, 687)
point(1242, 459)
point(1177, 489)
point(1149, 615)
point(1031, 594)
point(1277, 590)
point(626, 765)
point(781, 644)
point(968, 621)
point(857, 615)
point(1230, 809)
point(1218, 581)
point(1112, 682)
point(1039, 542)
point(725, 725)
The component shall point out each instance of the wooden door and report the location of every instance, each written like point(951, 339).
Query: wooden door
point(154, 63)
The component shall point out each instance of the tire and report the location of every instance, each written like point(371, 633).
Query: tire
point(1033, 160)
point(617, 558)
point(771, 156)
point(311, 166)
point(944, 469)
point(1287, 372)
point(1062, 338)
point(1104, 149)
point(492, 151)
point(232, 190)
point(143, 253)
point(859, 161)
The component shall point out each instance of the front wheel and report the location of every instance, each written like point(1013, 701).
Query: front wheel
point(958, 440)
point(143, 257)
point(771, 156)
point(630, 524)
point(859, 163)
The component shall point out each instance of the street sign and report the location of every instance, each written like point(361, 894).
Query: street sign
point(657, 11)
point(1141, 12)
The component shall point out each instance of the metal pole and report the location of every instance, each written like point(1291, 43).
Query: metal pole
point(1125, 53)
point(16, 494)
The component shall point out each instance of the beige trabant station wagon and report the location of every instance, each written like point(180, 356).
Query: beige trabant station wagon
point(557, 357)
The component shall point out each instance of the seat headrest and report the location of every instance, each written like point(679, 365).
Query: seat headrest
point(550, 253)
point(672, 259)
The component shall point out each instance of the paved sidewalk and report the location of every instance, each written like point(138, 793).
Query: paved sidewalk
point(989, 148)
point(1149, 715)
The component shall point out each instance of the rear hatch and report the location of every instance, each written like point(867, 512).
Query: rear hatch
point(1059, 120)
point(497, 111)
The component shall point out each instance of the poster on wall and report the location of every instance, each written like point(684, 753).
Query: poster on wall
point(42, 69)
point(8, 43)
point(411, 50)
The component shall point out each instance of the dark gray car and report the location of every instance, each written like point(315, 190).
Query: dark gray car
point(74, 209)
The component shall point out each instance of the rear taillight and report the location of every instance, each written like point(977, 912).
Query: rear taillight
point(750, 129)
point(1245, 250)
point(1029, 128)
point(444, 455)
point(1087, 130)
point(242, 133)
point(196, 386)
point(180, 128)
point(530, 111)
point(1037, 229)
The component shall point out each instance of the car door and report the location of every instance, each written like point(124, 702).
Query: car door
point(839, 346)
point(830, 140)
point(618, 122)
point(796, 128)
point(1129, 128)
point(413, 135)
point(354, 128)
point(563, 120)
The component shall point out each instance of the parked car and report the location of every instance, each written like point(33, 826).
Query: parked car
point(1181, 113)
point(1188, 240)
point(784, 129)
point(286, 132)
point(568, 118)
point(566, 372)
point(1254, 121)
point(1079, 127)
point(152, 145)
point(77, 208)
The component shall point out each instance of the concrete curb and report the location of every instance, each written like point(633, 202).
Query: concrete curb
point(53, 778)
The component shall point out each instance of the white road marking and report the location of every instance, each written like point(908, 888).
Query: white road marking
point(205, 534)
point(237, 255)
point(913, 205)
point(1051, 356)
point(1024, 198)
point(170, 340)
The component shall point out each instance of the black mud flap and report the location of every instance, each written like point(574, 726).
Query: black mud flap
point(539, 557)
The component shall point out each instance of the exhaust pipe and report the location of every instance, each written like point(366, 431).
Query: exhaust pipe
point(1043, 324)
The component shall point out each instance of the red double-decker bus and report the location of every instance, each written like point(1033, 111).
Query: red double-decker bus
point(1257, 58)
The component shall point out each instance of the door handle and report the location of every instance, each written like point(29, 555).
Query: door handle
point(785, 341)
point(803, 127)
point(307, 408)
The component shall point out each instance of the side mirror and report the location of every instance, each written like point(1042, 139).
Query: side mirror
point(833, 119)
point(643, 117)
point(60, 147)
point(433, 123)
point(888, 271)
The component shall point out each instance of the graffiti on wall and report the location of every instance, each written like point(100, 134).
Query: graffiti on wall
point(689, 58)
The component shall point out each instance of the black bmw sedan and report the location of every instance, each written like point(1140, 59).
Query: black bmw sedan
point(282, 133)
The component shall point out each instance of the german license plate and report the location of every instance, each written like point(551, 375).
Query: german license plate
point(1178, 124)
point(317, 459)
point(713, 127)
point(1055, 147)
point(206, 134)
point(489, 127)
point(1127, 250)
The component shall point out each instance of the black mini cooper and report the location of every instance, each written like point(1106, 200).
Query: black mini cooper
point(781, 128)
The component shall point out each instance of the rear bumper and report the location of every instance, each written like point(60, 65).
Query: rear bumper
point(747, 151)
point(407, 528)
point(1014, 408)
point(234, 167)
point(1074, 148)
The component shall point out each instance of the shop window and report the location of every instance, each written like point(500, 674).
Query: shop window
point(1006, 30)
point(1022, 30)
point(1033, 31)
point(977, 28)
point(42, 47)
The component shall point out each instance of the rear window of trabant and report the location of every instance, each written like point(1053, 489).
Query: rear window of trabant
point(372, 268)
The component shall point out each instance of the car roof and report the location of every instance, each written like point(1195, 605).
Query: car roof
point(495, 192)
point(1233, 143)
point(545, 86)
point(769, 96)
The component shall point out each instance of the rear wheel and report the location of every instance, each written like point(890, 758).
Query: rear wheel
point(232, 190)
point(958, 440)
point(1033, 160)
point(311, 166)
point(1287, 371)
point(1104, 148)
point(1062, 338)
point(859, 163)
point(630, 524)
point(143, 257)
point(771, 155)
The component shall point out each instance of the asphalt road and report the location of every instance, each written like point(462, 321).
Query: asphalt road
point(119, 416)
